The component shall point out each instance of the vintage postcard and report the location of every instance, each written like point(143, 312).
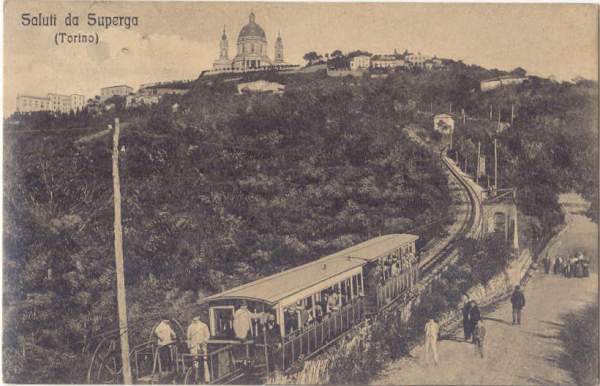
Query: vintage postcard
point(300, 193)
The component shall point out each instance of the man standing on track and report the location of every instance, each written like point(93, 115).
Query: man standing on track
point(518, 302)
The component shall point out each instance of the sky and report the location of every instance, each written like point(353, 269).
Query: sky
point(177, 40)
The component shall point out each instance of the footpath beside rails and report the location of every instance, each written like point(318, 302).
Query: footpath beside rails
point(526, 354)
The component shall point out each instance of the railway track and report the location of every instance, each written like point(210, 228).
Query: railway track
point(469, 228)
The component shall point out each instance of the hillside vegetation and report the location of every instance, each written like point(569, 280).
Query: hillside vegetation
point(223, 190)
point(227, 188)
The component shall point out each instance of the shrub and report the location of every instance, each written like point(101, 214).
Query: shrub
point(580, 339)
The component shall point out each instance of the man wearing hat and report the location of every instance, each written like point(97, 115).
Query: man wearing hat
point(242, 321)
point(518, 302)
point(165, 336)
point(198, 335)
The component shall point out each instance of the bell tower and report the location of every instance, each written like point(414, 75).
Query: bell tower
point(224, 55)
point(278, 50)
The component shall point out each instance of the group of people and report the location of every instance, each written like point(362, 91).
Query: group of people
point(300, 316)
point(394, 265)
point(473, 325)
point(576, 265)
point(198, 335)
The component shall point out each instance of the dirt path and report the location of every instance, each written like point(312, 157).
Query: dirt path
point(525, 354)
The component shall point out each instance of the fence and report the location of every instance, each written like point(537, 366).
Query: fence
point(311, 339)
point(215, 366)
point(395, 286)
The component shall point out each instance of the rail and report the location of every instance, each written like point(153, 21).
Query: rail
point(470, 227)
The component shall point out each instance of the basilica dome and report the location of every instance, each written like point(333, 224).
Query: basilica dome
point(252, 30)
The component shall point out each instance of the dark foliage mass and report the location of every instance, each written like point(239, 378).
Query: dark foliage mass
point(220, 191)
point(551, 148)
point(226, 188)
point(579, 335)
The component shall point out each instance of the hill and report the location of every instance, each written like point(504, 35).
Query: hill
point(222, 190)
point(227, 188)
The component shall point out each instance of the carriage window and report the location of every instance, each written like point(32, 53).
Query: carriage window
point(223, 319)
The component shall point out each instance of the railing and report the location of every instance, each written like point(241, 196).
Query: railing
point(230, 70)
point(214, 366)
point(394, 286)
point(312, 339)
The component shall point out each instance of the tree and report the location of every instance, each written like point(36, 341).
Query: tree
point(336, 53)
point(519, 71)
point(311, 57)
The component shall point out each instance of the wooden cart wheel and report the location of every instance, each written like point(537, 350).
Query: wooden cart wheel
point(105, 367)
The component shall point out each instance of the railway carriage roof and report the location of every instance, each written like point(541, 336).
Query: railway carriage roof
point(272, 289)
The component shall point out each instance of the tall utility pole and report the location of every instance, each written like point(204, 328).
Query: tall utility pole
point(498, 127)
point(450, 108)
point(478, 162)
point(121, 302)
point(491, 112)
point(495, 166)
point(431, 106)
point(512, 114)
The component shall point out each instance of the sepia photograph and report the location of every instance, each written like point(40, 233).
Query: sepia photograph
point(332, 193)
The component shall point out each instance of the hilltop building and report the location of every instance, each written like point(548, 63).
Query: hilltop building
point(121, 90)
point(360, 62)
point(417, 60)
point(251, 49)
point(51, 102)
point(386, 61)
point(151, 93)
point(30, 103)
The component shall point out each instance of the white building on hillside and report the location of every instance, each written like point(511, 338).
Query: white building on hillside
point(360, 62)
point(444, 123)
point(30, 103)
point(120, 90)
point(51, 102)
point(386, 61)
point(417, 60)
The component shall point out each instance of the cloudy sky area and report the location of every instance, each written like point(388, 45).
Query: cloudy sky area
point(179, 40)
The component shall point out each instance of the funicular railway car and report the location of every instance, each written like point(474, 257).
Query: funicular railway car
point(271, 323)
point(298, 312)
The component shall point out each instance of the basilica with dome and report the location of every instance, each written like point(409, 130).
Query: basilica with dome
point(251, 50)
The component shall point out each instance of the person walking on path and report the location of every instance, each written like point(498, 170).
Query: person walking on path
point(479, 337)
point(431, 335)
point(474, 316)
point(518, 302)
point(547, 264)
point(466, 323)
